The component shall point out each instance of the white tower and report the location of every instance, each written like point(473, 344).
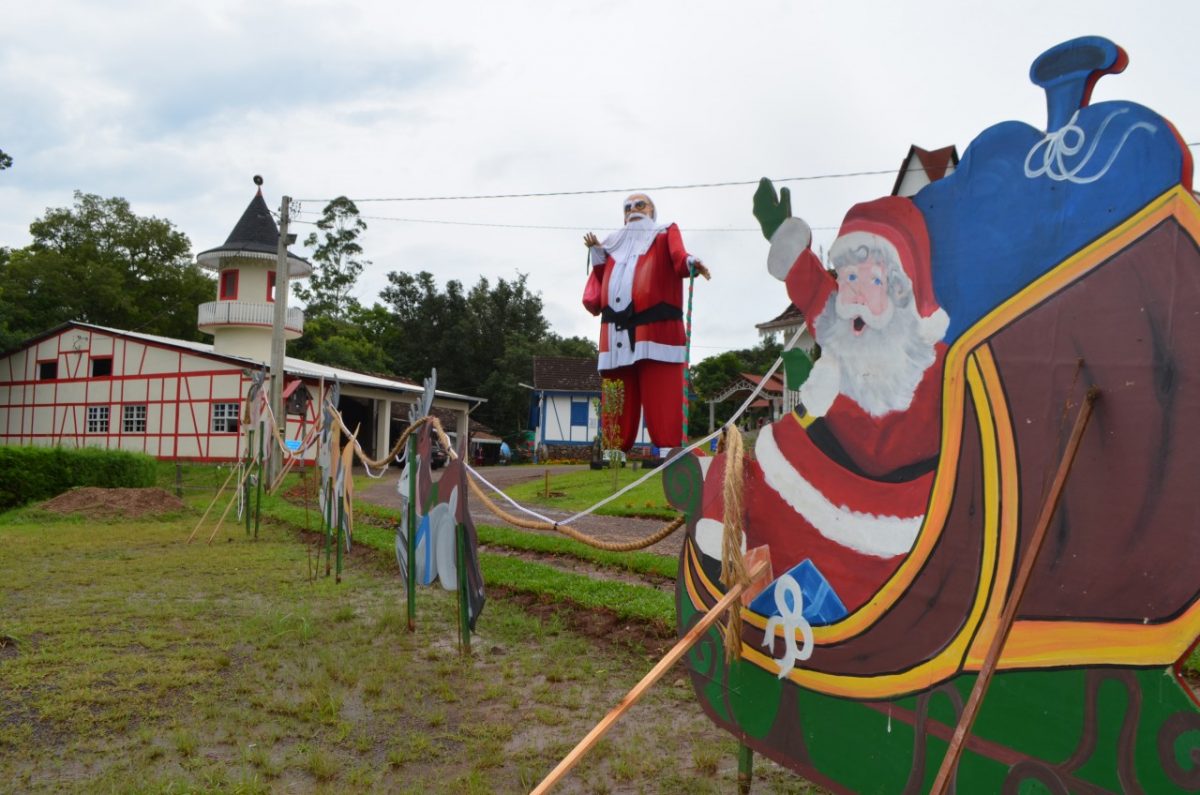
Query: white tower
point(241, 318)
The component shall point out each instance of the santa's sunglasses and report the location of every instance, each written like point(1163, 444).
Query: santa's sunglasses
point(640, 204)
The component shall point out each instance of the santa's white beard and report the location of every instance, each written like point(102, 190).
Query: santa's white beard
point(633, 239)
point(881, 366)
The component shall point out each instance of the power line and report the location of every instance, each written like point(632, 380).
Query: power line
point(520, 226)
point(444, 222)
point(596, 191)
point(592, 192)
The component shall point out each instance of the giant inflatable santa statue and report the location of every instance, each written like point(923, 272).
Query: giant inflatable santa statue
point(636, 287)
point(843, 481)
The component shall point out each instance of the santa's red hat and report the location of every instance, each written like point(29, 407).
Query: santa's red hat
point(894, 224)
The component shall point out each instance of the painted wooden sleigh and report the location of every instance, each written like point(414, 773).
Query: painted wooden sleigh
point(1088, 696)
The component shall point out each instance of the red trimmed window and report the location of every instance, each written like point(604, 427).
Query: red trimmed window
point(101, 367)
point(48, 370)
point(225, 417)
point(97, 419)
point(133, 418)
point(270, 286)
point(229, 285)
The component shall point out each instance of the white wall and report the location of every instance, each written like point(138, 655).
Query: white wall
point(555, 425)
point(176, 389)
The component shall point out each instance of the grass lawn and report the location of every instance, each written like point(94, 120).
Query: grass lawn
point(140, 664)
point(574, 491)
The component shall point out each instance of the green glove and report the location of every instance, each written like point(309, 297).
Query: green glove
point(771, 212)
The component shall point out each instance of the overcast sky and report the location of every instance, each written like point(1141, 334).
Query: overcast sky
point(175, 106)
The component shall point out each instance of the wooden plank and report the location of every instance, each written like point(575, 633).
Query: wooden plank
point(950, 761)
point(669, 659)
point(216, 497)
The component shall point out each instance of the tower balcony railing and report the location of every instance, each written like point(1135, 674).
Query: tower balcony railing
point(247, 314)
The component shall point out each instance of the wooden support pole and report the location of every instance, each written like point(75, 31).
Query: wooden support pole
point(258, 490)
point(232, 500)
point(246, 482)
point(990, 662)
point(329, 499)
point(411, 541)
point(745, 769)
point(216, 497)
point(464, 617)
point(340, 512)
point(673, 656)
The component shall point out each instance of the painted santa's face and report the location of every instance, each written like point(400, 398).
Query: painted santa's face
point(637, 207)
point(862, 295)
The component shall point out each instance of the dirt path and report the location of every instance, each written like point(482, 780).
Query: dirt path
point(607, 528)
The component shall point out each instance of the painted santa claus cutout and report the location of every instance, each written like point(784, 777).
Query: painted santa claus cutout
point(839, 487)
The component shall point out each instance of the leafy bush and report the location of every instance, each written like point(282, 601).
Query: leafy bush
point(29, 474)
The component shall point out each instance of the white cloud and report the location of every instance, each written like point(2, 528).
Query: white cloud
point(175, 106)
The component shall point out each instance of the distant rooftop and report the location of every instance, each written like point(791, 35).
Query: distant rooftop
point(565, 374)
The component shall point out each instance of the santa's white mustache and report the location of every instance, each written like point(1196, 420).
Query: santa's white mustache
point(849, 311)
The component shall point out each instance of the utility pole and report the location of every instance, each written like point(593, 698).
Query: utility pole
point(277, 338)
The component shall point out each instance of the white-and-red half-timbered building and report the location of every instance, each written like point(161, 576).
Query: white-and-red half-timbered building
point(83, 385)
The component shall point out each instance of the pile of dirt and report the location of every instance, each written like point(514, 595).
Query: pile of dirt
point(97, 503)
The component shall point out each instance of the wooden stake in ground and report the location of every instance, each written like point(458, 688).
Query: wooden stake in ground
point(950, 761)
point(216, 497)
point(410, 585)
point(232, 500)
point(677, 651)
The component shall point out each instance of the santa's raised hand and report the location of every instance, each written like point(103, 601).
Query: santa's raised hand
point(771, 211)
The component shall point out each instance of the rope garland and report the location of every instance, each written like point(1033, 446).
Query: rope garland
point(578, 535)
point(380, 464)
point(733, 566)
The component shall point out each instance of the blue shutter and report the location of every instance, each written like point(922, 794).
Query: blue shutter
point(579, 413)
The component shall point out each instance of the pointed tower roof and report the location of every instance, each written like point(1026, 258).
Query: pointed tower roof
point(255, 236)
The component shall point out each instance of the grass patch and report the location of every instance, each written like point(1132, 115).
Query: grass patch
point(625, 599)
point(579, 489)
point(647, 563)
point(145, 664)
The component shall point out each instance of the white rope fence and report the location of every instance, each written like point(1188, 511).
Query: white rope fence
point(672, 459)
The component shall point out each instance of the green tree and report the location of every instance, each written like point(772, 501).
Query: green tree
point(338, 342)
point(481, 341)
point(337, 255)
point(713, 375)
point(5, 160)
point(100, 263)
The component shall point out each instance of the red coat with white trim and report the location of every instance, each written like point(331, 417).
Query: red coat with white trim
point(658, 279)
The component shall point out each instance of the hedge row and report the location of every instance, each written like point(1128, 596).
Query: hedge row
point(30, 474)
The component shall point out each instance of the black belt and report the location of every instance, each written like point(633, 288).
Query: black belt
point(823, 438)
point(627, 320)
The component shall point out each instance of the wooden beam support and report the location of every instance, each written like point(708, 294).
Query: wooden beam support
point(673, 656)
point(946, 772)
